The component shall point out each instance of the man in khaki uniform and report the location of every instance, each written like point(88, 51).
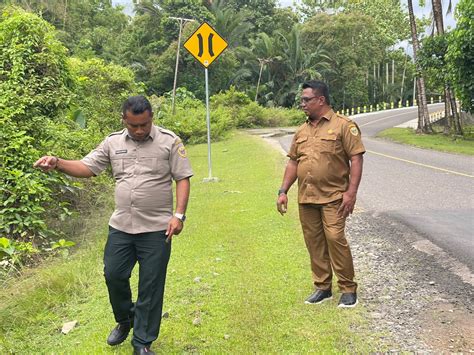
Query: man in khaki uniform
point(144, 159)
point(326, 158)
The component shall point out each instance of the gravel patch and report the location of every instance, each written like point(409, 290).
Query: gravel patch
point(414, 303)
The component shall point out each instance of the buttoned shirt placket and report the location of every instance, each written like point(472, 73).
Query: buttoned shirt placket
point(136, 167)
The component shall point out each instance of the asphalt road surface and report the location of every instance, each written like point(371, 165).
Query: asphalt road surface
point(429, 191)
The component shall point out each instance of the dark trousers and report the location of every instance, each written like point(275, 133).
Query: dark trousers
point(152, 252)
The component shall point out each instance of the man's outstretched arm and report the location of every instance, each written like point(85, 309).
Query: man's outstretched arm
point(74, 168)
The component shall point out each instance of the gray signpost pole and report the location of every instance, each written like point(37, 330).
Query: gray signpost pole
point(208, 121)
point(205, 45)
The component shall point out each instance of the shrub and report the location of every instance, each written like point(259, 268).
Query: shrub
point(189, 121)
point(36, 87)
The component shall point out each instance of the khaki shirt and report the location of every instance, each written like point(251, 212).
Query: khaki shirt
point(323, 154)
point(143, 173)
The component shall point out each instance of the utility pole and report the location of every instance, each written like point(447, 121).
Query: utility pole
point(182, 22)
point(262, 62)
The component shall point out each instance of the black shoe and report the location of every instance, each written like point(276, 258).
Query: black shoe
point(119, 334)
point(142, 351)
point(348, 300)
point(319, 297)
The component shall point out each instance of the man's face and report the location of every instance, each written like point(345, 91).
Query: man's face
point(139, 125)
point(311, 102)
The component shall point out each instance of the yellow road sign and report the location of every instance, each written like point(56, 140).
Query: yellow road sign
point(205, 44)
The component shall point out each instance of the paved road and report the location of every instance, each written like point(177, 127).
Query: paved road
point(432, 192)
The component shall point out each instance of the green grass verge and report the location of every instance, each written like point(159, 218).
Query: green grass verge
point(252, 264)
point(436, 141)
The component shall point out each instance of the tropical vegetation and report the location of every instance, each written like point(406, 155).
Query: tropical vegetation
point(66, 66)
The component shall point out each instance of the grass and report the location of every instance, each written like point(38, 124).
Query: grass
point(252, 266)
point(436, 141)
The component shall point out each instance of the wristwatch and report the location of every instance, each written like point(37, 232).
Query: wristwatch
point(180, 216)
point(281, 191)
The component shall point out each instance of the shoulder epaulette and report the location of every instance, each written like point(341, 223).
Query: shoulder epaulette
point(116, 133)
point(345, 118)
point(167, 131)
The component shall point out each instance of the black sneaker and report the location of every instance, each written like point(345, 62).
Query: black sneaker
point(348, 300)
point(319, 296)
point(119, 334)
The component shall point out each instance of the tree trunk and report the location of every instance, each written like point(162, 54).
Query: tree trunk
point(447, 112)
point(423, 107)
point(453, 120)
point(454, 108)
point(438, 16)
point(416, 97)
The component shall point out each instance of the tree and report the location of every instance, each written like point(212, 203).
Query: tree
point(354, 46)
point(461, 54)
point(451, 111)
point(297, 66)
point(424, 124)
point(87, 28)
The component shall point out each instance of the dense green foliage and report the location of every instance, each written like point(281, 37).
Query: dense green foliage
point(36, 88)
point(45, 100)
point(86, 28)
point(461, 54)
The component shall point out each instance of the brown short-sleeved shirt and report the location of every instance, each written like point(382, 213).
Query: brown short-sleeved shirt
point(143, 173)
point(323, 154)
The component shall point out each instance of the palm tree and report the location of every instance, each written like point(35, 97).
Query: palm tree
point(229, 24)
point(297, 66)
point(424, 125)
point(450, 106)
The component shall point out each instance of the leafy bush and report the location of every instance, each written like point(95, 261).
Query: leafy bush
point(230, 109)
point(49, 105)
point(101, 89)
point(189, 120)
point(36, 87)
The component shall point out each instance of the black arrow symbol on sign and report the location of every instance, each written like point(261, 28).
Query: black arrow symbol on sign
point(211, 52)
point(201, 45)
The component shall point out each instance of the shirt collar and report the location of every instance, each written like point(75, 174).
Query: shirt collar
point(151, 136)
point(328, 115)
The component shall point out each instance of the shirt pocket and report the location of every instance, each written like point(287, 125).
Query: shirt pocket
point(301, 146)
point(117, 166)
point(328, 144)
point(122, 166)
point(156, 164)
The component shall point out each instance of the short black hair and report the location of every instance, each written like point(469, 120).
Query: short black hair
point(136, 105)
point(320, 87)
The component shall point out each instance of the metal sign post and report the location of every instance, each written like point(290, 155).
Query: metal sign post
point(208, 122)
point(205, 44)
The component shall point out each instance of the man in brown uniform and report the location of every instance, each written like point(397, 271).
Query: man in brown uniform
point(326, 157)
point(144, 159)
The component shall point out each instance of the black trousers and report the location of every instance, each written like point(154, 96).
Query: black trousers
point(152, 252)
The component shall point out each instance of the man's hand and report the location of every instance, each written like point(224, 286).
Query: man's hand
point(46, 163)
point(175, 226)
point(347, 205)
point(282, 203)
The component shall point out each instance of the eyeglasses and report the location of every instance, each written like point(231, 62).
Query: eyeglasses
point(305, 100)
